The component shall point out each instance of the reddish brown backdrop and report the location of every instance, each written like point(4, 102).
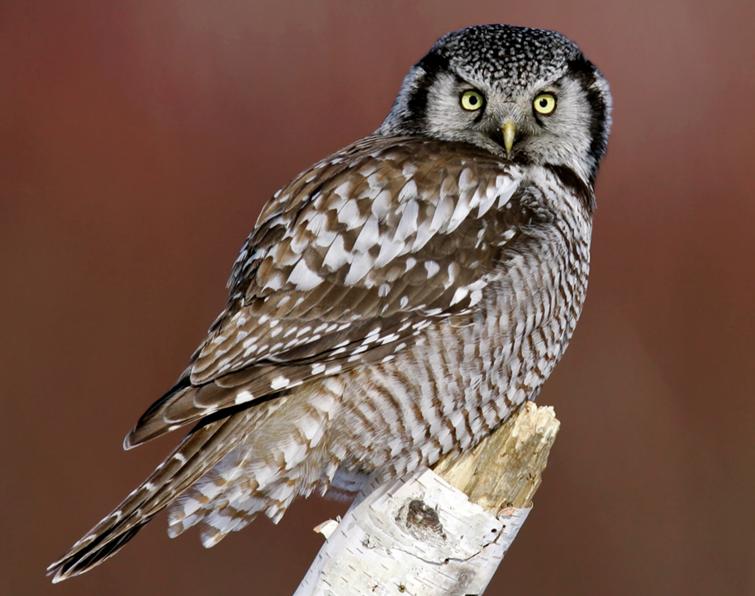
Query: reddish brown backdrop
point(138, 141)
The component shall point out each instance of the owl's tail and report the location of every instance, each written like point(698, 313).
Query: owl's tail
point(194, 456)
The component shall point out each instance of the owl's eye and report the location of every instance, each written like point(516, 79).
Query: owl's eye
point(544, 103)
point(471, 100)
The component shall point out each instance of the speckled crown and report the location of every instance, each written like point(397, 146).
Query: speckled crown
point(506, 53)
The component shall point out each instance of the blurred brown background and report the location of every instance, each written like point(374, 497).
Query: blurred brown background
point(138, 141)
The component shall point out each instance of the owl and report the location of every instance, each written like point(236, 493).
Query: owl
point(394, 303)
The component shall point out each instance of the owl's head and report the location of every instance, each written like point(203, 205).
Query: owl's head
point(528, 95)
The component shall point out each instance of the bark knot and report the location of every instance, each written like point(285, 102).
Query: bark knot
point(423, 518)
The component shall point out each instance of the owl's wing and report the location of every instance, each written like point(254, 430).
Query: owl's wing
point(346, 266)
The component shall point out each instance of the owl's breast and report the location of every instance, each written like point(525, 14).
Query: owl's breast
point(535, 298)
point(466, 374)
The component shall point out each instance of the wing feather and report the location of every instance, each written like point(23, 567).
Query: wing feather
point(381, 238)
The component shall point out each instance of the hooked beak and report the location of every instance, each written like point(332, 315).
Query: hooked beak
point(508, 128)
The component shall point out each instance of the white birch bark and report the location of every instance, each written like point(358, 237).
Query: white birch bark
point(441, 531)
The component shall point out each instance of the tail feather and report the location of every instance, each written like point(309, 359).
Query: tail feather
point(282, 459)
point(196, 455)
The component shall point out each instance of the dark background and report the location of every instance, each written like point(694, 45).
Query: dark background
point(138, 141)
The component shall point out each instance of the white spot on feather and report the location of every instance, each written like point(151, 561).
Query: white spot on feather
point(408, 169)
point(505, 187)
point(349, 214)
point(459, 295)
point(337, 256)
point(343, 190)
point(279, 382)
point(487, 201)
point(242, 397)
point(368, 236)
point(388, 338)
point(467, 179)
point(443, 211)
point(359, 268)
point(432, 268)
point(408, 223)
point(463, 207)
point(303, 277)
point(382, 204)
point(388, 250)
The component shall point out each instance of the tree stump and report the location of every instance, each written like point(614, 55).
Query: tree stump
point(441, 531)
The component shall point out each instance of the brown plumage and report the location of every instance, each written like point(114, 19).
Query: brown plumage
point(340, 253)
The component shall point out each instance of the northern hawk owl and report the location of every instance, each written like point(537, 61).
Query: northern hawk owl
point(393, 303)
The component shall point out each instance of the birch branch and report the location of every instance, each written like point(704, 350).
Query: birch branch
point(441, 531)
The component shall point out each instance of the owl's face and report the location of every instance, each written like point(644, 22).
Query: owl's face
point(527, 95)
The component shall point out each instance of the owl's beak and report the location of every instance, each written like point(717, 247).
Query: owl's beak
point(508, 128)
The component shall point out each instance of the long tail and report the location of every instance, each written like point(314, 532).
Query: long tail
point(193, 457)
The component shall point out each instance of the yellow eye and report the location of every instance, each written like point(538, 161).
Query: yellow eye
point(544, 103)
point(471, 100)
